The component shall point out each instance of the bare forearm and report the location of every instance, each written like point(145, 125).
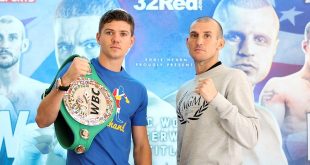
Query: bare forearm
point(142, 155)
point(49, 108)
point(50, 105)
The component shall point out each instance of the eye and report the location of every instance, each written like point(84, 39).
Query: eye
point(90, 44)
point(109, 33)
point(234, 37)
point(193, 35)
point(261, 40)
point(13, 37)
point(207, 36)
point(124, 34)
point(63, 46)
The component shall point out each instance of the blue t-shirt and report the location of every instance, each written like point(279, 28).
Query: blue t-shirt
point(112, 144)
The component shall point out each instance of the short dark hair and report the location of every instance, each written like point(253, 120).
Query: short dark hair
point(74, 8)
point(117, 15)
point(208, 19)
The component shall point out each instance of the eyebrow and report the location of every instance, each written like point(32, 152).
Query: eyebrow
point(87, 41)
point(15, 34)
point(205, 32)
point(238, 32)
point(115, 30)
point(234, 32)
point(264, 35)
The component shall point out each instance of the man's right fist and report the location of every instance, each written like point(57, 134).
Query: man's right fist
point(79, 67)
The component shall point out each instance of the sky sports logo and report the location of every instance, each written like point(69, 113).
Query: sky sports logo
point(168, 5)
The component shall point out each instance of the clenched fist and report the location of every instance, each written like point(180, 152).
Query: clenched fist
point(206, 89)
point(79, 67)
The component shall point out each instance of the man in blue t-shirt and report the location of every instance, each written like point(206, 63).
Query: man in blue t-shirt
point(112, 144)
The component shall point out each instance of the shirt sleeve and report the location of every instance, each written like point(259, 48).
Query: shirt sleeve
point(237, 112)
point(139, 118)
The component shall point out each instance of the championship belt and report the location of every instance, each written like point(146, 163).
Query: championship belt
point(87, 107)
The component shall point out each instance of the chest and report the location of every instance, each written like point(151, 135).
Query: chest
point(297, 100)
point(193, 109)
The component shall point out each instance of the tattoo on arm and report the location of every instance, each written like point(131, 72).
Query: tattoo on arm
point(267, 96)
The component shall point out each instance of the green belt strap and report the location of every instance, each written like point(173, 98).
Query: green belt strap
point(72, 134)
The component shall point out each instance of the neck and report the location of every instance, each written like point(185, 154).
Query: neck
point(9, 76)
point(203, 66)
point(305, 70)
point(114, 65)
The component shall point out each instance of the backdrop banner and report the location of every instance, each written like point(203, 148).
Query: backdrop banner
point(269, 41)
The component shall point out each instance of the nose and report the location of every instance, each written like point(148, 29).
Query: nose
point(116, 38)
point(79, 51)
point(4, 43)
point(199, 40)
point(246, 48)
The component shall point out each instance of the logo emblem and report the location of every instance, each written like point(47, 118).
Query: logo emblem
point(88, 102)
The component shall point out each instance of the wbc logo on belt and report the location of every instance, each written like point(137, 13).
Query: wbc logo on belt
point(88, 102)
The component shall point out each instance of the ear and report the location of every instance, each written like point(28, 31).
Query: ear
point(187, 43)
point(98, 38)
point(221, 43)
point(305, 46)
point(25, 45)
point(132, 40)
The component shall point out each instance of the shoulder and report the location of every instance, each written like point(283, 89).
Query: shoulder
point(234, 76)
point(184, 88)
point(186, 85)
point(134, 84)
point(231, 73)
point(134, 81)
point(234, 73)
point(32, 84)
point(280, 82)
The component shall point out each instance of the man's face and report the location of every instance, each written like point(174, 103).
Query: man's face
point(76, 35)
point(11, 43)
point(203, 43)
point(115, 39)
point(251, 40)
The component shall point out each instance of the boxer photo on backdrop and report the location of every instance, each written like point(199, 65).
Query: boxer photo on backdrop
point(18, 93)
point(251, 46)
point(288, 100)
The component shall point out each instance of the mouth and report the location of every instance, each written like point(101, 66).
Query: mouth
point(115, 47)
point(246, 67)
point(5, 53)
point(199, 50)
